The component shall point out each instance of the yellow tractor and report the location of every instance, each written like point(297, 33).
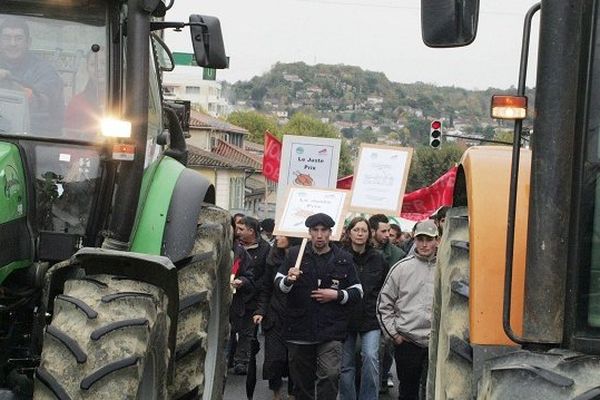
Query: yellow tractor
point(517, 300)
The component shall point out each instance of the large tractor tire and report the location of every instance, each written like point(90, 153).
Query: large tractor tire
point(450, 354)
point(204, 299)
point(107, 340)
point(555, 375)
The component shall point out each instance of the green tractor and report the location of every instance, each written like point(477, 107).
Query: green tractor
point(114, 260)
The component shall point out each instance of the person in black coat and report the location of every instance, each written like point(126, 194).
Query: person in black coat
point(242, 283)
point(248, 236)
point(363, 324)
point(319, 293)
point(271, 308)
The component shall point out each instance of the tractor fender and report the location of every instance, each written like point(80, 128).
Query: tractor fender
point(169, 210)
point(482, 185)
point(191, 191)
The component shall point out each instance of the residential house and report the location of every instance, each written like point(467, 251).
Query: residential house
point(227, 176)
point(206, 130)
point(259, 192)
point(219, 151)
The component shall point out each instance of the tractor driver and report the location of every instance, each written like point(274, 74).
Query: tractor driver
point(23, 71)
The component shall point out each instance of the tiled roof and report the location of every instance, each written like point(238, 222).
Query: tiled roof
point(255, 184)
point(200, 120)
point(254, 147)
point(237, 155)
point(198, 157)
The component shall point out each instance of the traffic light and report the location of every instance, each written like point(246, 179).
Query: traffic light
point(435, 134)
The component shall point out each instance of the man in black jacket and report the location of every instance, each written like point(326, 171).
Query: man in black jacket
point(248, 234)
point(318, 293)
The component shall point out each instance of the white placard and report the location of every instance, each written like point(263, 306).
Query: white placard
point(380, 179)
point(307, 161)
point(301, 203)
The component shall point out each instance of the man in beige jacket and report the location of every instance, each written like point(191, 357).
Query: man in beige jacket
point(404, 308)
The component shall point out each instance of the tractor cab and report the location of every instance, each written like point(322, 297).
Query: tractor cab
point(54, 80)
point(54, 94)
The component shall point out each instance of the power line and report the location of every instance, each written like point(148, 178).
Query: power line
point(393, 6)
point(358, 4)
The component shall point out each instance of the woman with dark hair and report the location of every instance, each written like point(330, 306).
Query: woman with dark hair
point(271, 307)
point(363, 324)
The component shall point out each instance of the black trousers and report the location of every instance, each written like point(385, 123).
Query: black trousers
point(320, 362)
point(246, 332)
point(411, 364)
point(276, 365)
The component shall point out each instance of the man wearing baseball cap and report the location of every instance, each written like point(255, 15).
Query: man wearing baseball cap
point(318, 293)
point(404, 308)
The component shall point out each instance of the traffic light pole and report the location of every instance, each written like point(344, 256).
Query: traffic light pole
point(478, 139)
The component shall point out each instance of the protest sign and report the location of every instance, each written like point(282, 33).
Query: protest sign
point(307, 162)
point(301, 203)
point(380, 179)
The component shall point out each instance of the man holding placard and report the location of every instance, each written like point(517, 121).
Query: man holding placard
point(320, 280)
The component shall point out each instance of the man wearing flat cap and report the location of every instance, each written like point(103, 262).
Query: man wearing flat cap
point(404, 308)
point(318, 295)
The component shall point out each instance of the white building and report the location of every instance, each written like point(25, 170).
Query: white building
point(186, 83)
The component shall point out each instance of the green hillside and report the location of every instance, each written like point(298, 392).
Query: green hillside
point(365, 104)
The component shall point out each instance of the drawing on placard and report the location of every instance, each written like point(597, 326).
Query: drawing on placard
point(303, 179)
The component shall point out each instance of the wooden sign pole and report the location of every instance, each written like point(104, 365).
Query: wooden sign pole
point(301, 253)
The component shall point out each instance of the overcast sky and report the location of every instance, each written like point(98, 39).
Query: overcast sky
point(376, 35)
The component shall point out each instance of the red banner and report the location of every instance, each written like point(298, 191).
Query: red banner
point(421, 203)
point(271, 157)
point(345, 182)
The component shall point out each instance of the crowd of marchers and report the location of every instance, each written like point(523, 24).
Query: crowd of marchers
point(335, 314)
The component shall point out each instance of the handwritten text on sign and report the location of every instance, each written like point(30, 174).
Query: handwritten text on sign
point(301, 203)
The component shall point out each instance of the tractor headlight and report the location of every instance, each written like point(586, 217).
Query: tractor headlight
point(112, 127)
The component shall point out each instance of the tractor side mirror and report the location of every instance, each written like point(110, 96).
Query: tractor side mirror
point(207, 40)
point(449, 23)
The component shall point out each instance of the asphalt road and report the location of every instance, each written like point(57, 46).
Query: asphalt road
point(235, 388)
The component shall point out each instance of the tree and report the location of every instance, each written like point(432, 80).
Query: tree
point(304, 125)
point(504, 135)
point(429, 164)
point(366, 136)
point(489, 132)
point(419, 130)
point(255, 123)
point(348, 132)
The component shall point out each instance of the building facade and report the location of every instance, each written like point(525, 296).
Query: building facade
point(187, 83)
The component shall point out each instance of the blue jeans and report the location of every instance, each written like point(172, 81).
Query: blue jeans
point(369, 371)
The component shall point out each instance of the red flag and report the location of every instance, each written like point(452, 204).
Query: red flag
point(271, 157)
point(421, 203)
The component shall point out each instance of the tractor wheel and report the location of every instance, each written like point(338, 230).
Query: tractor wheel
point(525, 375)
point(204, 299)
point(450, 358)
point(107, 339)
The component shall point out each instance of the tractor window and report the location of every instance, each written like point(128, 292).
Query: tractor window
point(591, 196)
point(155, 124)
point(53, 74)
point(65, 185)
